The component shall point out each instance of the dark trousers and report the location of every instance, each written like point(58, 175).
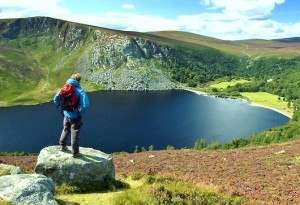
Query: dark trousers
point(72, 126)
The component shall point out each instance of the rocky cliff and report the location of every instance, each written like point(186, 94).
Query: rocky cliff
point(113, 59)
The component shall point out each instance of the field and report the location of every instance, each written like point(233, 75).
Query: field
point(224, 85)
point(262, 99)
point(259, 175)
point(270, 101)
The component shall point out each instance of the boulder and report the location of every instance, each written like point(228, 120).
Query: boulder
point(12, 169)
point(89, 171)
point(27, 189)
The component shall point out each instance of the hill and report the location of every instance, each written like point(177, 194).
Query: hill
point(257, 47)
point(264, 175)
point(38, 54)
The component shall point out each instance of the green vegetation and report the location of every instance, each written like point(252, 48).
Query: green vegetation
point(150, 190)
point(109, 184)
point(16, 154)
point(269, 100)
point(172, 191)
point(4, 172)
point(5, 202)
point(258, 97)
point(224, 85)
point(170, 147)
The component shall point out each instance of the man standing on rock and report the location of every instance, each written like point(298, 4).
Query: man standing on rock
point(73, 105)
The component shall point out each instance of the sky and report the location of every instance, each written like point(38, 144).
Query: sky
point(222, 19)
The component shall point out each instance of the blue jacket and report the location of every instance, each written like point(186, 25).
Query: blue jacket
point(84, 102)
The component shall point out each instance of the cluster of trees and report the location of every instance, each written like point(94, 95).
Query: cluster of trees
point(197, 66)
point(200, 65)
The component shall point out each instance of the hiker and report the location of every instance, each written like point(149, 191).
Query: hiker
point(72, 113)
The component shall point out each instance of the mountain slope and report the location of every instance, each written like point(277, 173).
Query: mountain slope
point(277, 47)
point(38, 54)
point(53, 49)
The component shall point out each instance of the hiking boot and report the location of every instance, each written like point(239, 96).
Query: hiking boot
point(64, 148)
point(77, 155)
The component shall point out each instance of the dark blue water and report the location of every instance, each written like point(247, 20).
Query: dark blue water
point(118, 121)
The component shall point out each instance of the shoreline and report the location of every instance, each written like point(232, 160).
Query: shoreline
point(270, 108)
point(243, 100)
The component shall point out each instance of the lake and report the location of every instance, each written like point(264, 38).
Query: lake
point(119, 120)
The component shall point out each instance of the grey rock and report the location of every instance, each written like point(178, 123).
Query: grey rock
point(12, 169)
point(123, 63)
point(27, 189)
point(93, 167)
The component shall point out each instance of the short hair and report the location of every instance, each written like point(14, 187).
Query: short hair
point(76, 76)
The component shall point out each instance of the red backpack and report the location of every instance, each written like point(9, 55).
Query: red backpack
point(67, 97)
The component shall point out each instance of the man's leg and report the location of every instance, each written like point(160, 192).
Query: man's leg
point(75, 134)
point(65, 132)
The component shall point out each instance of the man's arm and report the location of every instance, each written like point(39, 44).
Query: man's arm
point(56, 99)
point(84, 102)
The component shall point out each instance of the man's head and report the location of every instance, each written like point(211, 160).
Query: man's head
point(76, 77)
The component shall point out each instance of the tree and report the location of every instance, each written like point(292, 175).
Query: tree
point(136, 149)
point(151, 148)
point(144, 149)
point(200, 144)
point(170, 147)
point(289, 104)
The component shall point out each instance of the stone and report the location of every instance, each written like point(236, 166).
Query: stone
point(12, 169)
point(280, 152)
point(87, 172)
point(27, 189)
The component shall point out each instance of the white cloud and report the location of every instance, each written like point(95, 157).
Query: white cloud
point(135, 22)
point(228, 20)
point(128, 6)
point(250, 9)
point(21, 8)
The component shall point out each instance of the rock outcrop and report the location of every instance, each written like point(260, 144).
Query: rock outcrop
point(12, 169)
point(123, 63)
point(27, 189)
point(113, 59)
point(87, 172)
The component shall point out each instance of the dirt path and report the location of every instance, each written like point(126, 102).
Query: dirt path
point(269, 174)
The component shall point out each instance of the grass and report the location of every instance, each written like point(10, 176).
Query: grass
point(224, 85)
point(158, 190)
point(4, 172)
point(88, 199)
point(268, 100)
point(152, 190)
point(2, 202)
point(104, 198)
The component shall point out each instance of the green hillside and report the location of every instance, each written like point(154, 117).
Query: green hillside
point(39, 54)
point(254, 48)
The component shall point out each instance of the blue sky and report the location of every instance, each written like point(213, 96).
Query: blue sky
point(223, 19)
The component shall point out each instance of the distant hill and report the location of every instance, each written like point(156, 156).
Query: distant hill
point(288, 47)
point(289, 40)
